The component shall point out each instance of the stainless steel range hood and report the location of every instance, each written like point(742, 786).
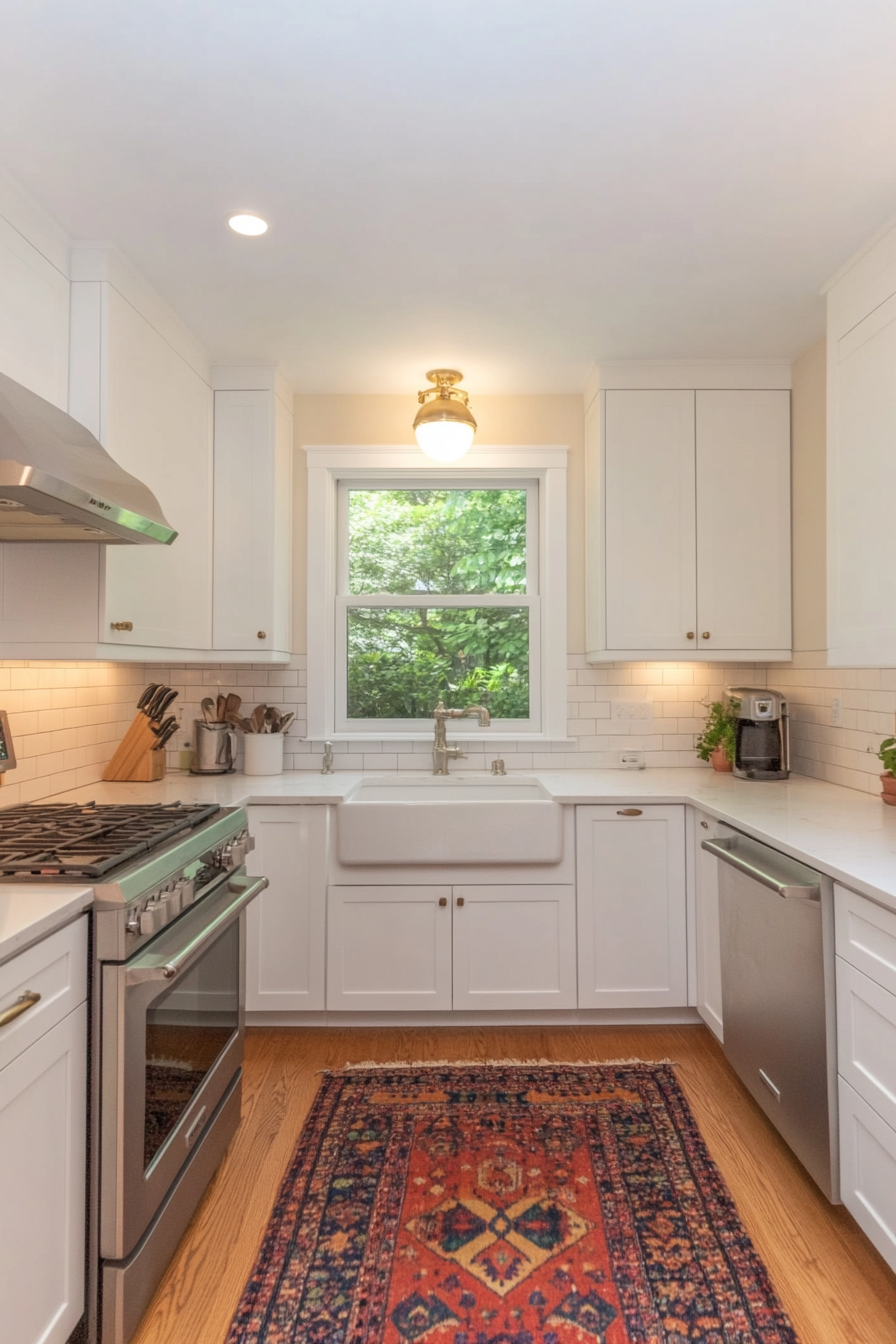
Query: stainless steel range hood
point(58, 483)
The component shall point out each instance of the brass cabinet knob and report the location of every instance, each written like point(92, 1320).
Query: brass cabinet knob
point(690, 634)
point(706, 634)
point(121, 625)
point(443, 900)
point(460, 900)
point(262, 634)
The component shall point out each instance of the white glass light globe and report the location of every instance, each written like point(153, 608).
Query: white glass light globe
point(250, 225)
point(444, 440)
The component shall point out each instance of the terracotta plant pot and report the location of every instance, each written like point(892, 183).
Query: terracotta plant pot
point(720, 761)
point(889, 794)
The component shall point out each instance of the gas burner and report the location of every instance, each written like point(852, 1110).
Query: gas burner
point(82, 842)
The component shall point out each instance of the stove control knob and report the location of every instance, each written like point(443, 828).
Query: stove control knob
point(133, 924)
point(188, 891)
point(148, 920)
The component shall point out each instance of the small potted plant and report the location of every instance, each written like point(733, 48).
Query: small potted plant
point(887, 755)
point(716, 743)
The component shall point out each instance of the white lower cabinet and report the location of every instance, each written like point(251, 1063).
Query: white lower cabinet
point(632, 906)
point(286, 925)
point(389, 948)
point(514, 947)
point(709, 955)
point(43, 1143)
point(866, 1062)
point(415, 948)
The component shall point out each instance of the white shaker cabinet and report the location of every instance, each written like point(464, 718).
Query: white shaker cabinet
point(514, 947)
point(632, 906)
point(389, 948)
point(865, 942)
point(142, 386)
point(285, 926)
point(688, 523)
point(253, 511)
point(43, 1158)
point(709, 957)
point(861, 464)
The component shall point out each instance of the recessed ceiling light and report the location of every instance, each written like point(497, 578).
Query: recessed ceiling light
point(250, 225)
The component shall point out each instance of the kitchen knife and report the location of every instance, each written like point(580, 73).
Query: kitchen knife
point(165, 732)
point(161, 703)
point(148, 695)
point(152, 707)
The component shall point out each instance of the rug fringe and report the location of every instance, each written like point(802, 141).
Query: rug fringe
point(367, 1064)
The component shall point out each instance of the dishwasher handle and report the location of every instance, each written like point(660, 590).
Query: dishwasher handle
point(782, 883)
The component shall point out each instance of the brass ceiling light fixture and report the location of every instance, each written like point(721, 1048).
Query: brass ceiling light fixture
point(444, 425)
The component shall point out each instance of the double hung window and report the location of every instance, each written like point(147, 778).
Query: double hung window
point(428, 585)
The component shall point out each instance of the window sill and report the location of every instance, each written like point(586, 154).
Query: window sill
point(466, 738)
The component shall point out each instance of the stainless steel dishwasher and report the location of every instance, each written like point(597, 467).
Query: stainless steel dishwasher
point(776, 925)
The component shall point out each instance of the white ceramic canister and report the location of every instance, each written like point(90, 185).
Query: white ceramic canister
point(264, 753)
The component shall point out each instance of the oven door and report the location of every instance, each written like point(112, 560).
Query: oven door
point(172, 1041)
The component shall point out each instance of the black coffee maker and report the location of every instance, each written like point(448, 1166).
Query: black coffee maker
point(762, 745)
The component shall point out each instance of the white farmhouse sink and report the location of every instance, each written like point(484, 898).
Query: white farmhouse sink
point(449, 819)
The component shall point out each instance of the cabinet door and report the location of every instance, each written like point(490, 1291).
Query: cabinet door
point(868, 1171)
point(43, 1161)
point(514, 947)
point(389, 948)
point(861, 488)
point(253, 511)
point(649, 513)
point(286, 925)
point(153, 413)
point(709, 958)
point(631, 901)
point(743, 521)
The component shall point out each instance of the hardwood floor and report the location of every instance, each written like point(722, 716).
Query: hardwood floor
point(829, 1277)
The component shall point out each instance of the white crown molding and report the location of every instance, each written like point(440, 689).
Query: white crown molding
point(36, 225)
point(98, 262)
point(249, 377)
point(684, 374)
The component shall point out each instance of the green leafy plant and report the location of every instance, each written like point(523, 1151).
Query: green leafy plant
point(720, 728)
point(887, 754)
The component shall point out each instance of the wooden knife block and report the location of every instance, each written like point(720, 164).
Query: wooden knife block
point(134, 757)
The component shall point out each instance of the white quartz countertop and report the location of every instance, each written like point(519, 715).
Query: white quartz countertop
point(845, 833)
point(29, 913)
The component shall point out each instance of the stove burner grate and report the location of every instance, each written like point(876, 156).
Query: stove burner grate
point(46, 842)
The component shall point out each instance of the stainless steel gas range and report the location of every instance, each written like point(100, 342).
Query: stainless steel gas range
point(167, 1004)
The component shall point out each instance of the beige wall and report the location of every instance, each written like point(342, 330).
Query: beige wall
point(331, 420)
point(809, 466)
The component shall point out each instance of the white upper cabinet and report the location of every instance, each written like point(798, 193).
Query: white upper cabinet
point(651, 574)
point(689, 515)
point(34, 294)
point(253, 510)
point(139, 383)
point(861, 462)
point(743, 520)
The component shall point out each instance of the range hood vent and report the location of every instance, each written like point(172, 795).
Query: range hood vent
point(58, 483)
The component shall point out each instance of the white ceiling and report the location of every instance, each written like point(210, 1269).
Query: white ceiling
point(514, 187)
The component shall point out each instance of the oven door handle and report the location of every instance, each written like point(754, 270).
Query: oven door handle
point(138, 975)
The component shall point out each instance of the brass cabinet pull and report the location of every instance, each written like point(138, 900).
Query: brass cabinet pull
point(690, 634)
point(443, 900)
point(21, 1005)
point(121, 625)
point(629, 812)
point(706, 634)
point(460, 900)
point(262, 634)
point(705, 825)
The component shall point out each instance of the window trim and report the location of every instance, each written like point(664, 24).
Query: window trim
point(374, 465)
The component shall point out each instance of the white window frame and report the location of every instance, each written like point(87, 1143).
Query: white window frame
point(330, 471)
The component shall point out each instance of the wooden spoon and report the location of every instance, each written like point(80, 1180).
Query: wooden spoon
point(286, 721)
point(221, 708)
point(232, 704)
point(257, 717)
point(272, 720)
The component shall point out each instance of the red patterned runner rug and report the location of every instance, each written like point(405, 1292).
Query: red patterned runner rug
point(506, 1204)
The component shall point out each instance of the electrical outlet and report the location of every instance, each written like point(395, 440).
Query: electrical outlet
point(632, 709)
point(836, 712)
point(631, 760)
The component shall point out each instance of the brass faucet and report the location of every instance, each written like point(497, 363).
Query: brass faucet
point(441, 752)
